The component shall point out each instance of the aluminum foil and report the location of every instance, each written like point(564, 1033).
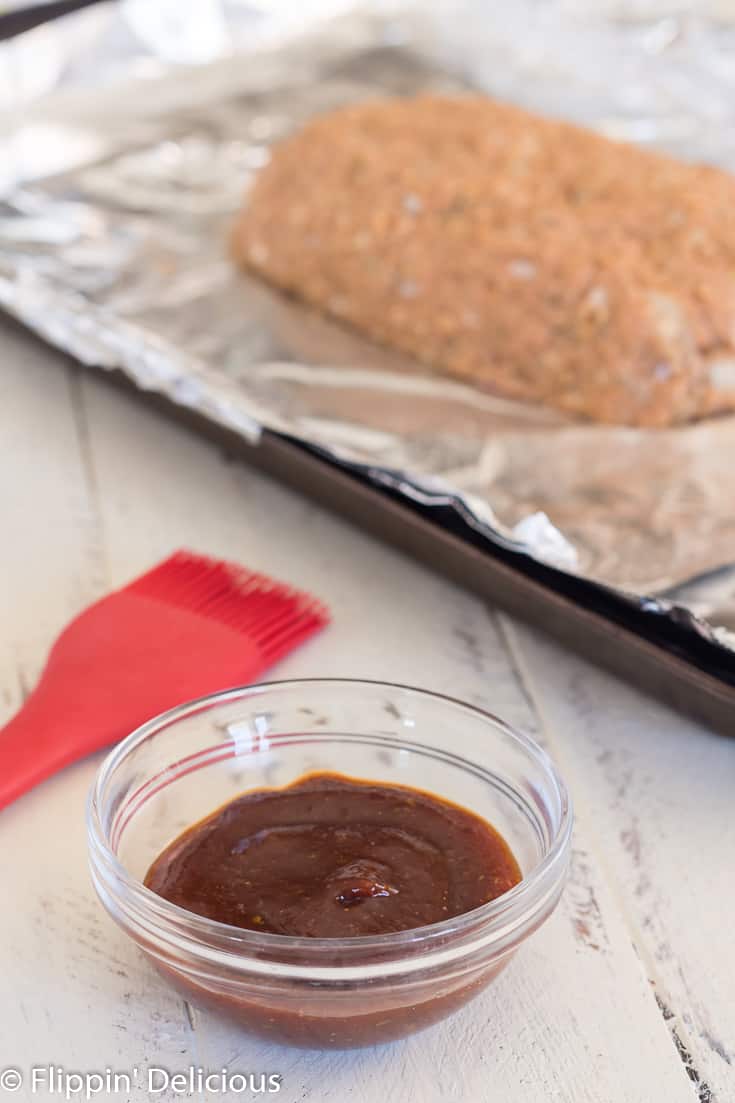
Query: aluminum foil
point(113, 236)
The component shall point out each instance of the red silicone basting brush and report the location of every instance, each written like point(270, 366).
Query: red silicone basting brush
point(188, 627)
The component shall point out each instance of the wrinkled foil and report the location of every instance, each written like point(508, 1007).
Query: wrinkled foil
point(120, 258)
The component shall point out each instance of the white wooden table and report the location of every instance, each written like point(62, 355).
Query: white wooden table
point(626, 996)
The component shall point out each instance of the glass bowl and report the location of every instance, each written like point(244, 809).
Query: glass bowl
point(319, 992)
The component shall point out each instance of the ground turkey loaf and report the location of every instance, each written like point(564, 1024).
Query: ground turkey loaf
point(530, 257)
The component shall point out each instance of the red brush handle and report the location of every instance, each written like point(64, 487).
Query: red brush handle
point(33, 745)
point(187, 628)
point(121, 662)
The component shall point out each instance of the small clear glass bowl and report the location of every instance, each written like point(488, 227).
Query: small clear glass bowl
point(320, 992)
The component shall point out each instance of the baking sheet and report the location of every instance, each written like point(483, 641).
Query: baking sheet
point(120, 258)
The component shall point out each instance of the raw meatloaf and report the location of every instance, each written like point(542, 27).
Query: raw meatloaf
point(528, 256)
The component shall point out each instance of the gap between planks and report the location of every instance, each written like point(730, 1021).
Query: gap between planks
point(97, 547)
point(98, 550)
point(674, 1020)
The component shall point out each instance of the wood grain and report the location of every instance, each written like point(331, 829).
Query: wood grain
point(97, 489)
point(658, 793)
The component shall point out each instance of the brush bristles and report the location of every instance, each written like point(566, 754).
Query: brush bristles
point(272, 614)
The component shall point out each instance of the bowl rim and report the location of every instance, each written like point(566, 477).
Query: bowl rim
point(523, 900)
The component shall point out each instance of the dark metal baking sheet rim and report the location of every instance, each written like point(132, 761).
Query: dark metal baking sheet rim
point(672, 627)
point(663, 650)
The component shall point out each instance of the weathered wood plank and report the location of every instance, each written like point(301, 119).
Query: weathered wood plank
point(657, 792)
point(74, 994)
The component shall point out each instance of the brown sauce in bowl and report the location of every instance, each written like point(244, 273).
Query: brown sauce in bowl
point(332, 857)
point(329, 856)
